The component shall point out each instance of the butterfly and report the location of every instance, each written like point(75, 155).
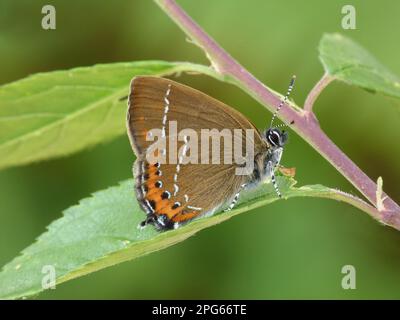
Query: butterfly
point(172, 189)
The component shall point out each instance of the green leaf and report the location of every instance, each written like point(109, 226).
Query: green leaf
point(349, 62)
point(102, 231)
point(57, 113)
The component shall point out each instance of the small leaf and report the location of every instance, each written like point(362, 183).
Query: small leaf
point(349, 62)
point(102, 231)
point(57, 113)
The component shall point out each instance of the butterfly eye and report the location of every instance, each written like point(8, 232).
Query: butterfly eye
point(274, 137)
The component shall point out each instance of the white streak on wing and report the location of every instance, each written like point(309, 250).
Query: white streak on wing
point(194, 208)
point(178, 166)
point(161, 221)
point(166, 109)
point(176, 189)
point(149, 206)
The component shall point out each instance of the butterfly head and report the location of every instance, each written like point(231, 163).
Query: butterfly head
point(275, 137)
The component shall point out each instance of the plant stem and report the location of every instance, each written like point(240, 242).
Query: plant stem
point(305, 122)
point(315, 92)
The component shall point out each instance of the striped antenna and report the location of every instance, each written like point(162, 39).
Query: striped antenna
point(291, 85)
point(282, 125)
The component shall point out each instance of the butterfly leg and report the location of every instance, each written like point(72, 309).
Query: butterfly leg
point(150, 219)
point(235, 198)
point(271, 170)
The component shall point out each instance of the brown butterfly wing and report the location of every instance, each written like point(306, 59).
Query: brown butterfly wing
point(202, 189)
point(174, 195)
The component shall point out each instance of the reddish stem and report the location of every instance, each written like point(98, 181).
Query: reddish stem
point(315, 92)
point(305, 122)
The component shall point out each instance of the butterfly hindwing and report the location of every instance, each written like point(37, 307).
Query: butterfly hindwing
point(172, 202)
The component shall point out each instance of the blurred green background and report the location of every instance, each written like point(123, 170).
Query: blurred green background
point(290, 249)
